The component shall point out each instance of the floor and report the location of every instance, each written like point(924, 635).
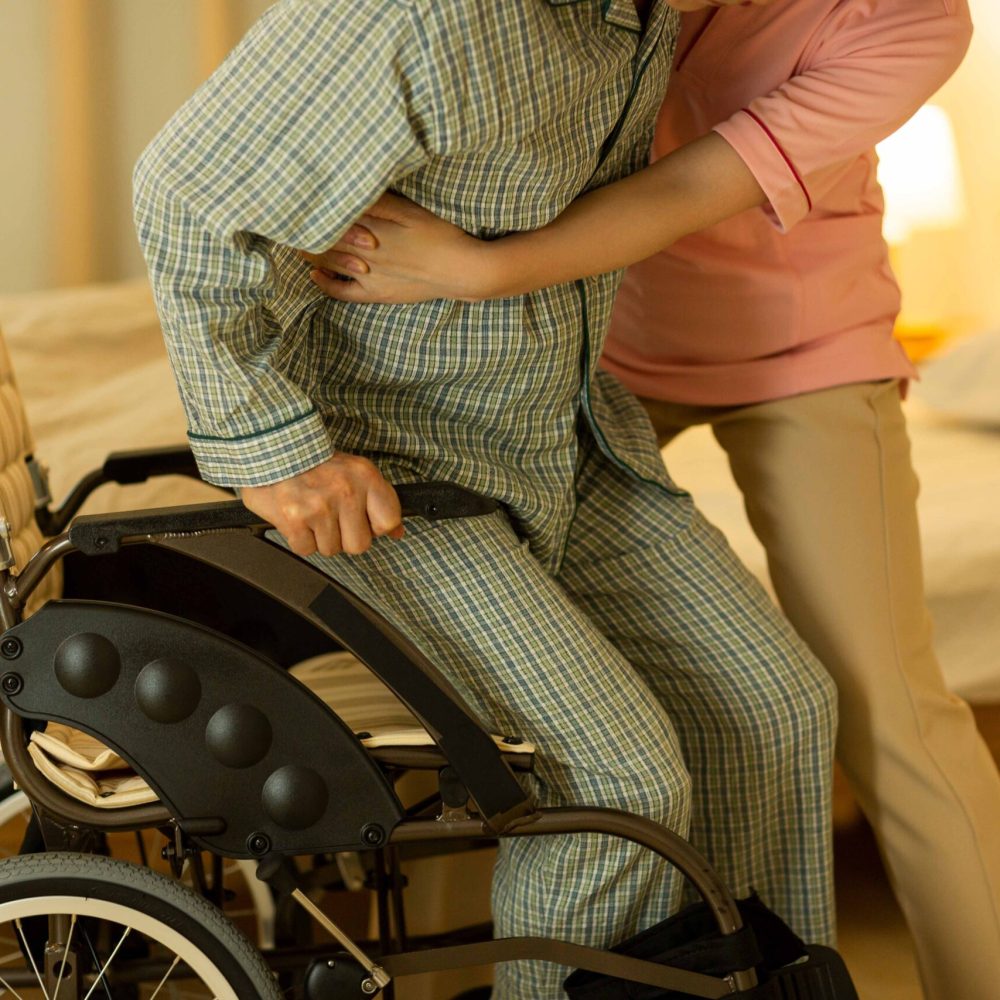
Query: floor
point(873, 938)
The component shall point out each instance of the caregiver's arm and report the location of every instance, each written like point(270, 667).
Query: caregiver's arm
point(868, 70)
point(415, 256)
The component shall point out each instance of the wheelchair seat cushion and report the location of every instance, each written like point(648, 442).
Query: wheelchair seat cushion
point(370, 708)
point(65, 745)
point(87, 770)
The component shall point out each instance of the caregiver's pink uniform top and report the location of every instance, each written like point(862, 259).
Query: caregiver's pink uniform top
point(797, 296)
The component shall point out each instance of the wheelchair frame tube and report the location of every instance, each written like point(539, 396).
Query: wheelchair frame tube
point(57, 803)
point(637, 829)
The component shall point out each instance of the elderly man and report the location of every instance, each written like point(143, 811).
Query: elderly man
point(598, 615)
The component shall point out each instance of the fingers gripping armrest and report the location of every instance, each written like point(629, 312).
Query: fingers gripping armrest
point(101, 534)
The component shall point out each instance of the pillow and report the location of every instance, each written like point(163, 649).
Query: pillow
point(964, 382)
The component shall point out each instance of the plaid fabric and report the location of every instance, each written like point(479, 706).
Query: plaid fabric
point(494, 116)
point(653, 675)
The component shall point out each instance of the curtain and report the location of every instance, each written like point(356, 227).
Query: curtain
point(84, 85)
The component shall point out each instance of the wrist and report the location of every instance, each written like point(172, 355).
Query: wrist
point(484, 272)
point(503, 268)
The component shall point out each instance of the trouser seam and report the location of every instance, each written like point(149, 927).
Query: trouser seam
point(880, 450)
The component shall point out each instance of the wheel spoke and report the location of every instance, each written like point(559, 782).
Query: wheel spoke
point(111, 958)
point(62, 963)
point(31, 958)
point(173, 965)
point(13, 992)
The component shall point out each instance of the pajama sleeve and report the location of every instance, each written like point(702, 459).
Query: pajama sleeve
point(869, 68)
point(321, 108)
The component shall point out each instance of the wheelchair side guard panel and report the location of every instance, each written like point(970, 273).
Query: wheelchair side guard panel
point(382, 648)
point(247, 759)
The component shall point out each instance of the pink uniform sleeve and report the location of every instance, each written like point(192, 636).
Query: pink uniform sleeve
point(869, 68)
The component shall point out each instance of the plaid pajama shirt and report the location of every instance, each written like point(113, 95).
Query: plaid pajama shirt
point(600, 615)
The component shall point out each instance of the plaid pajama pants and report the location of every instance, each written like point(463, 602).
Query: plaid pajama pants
point(654, 675)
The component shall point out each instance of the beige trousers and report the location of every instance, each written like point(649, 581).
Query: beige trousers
point(830, 492)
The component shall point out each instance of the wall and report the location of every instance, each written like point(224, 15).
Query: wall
point(954, 277)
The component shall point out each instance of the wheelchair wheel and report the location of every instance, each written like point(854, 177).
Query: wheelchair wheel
point(74, 926)
point(240, 876)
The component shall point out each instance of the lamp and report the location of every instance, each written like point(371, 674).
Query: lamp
point(920, 175)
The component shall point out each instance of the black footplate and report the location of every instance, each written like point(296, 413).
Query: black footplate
point(787, 968)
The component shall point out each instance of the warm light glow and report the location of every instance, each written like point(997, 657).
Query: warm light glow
point(920, 175)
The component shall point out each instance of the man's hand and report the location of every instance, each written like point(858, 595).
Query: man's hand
point(338, 506)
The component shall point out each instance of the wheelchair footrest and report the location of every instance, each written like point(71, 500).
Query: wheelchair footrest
point(822, 977)
point(787, 969)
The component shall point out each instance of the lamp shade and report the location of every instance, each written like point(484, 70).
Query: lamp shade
point(920, 175)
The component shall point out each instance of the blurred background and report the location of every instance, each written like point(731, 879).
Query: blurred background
point(84, 86)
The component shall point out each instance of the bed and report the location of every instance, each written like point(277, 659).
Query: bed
point(959, 469)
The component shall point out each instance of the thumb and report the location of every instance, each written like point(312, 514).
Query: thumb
point(384, 512)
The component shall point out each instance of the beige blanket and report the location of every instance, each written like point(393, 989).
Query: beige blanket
point(91, 366)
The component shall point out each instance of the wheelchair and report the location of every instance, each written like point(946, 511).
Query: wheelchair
point(172, 650)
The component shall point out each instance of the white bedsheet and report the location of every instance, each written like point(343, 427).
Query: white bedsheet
point(95, 378)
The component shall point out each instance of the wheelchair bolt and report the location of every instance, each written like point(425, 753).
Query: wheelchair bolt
point(11, 648)
point(258, 843)
point(11, 683)
point(373, 835)
point(369, 986)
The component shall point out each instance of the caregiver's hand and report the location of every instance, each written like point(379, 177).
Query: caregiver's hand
point(400, 252)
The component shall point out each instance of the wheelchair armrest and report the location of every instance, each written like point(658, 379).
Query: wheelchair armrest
point(99, 534)
point(126, 467)
point(122, 467)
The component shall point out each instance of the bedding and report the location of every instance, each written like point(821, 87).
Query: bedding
point(963, 382)
point(95, 378)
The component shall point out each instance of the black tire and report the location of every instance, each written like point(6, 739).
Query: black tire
point(172, 905)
